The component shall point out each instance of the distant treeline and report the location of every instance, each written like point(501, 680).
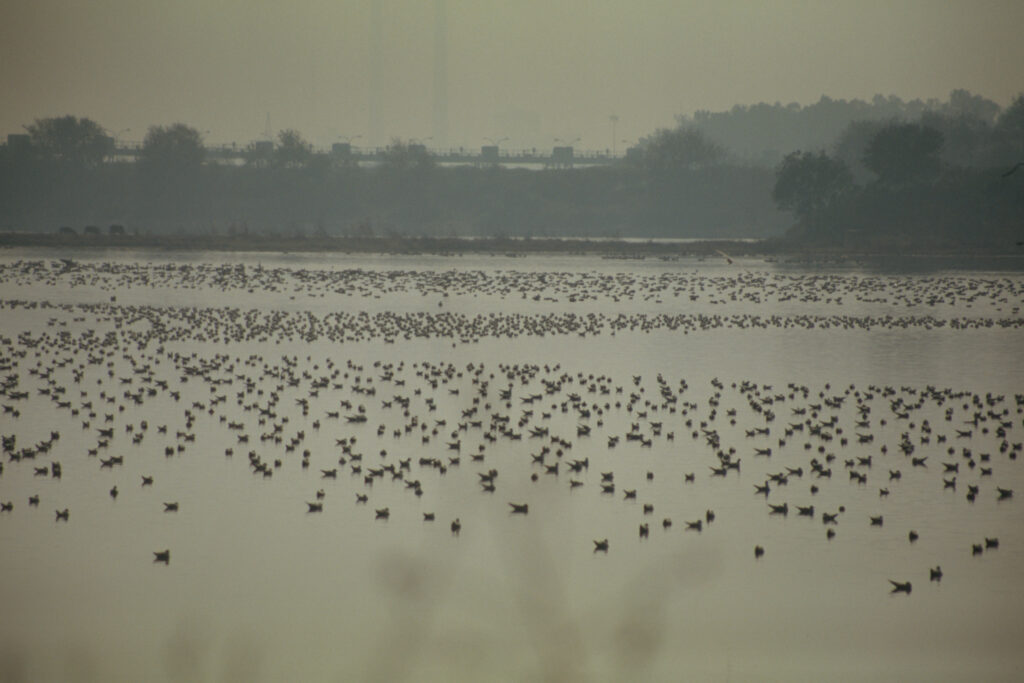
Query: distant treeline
point(62, 175)
point(764, 133)
point(888, 174)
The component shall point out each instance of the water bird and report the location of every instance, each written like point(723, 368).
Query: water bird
point(519, 508)
point(935, 574)
point(162, 556)
point(62, 515)
point(898, 587)
point(601, 546)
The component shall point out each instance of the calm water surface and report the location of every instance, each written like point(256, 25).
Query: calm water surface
point(512, 359)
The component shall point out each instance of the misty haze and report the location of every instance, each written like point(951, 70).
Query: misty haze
point(452, 341)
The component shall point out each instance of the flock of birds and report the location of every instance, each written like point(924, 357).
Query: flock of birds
point(143, 382)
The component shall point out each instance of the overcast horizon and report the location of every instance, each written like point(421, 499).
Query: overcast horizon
point(526, 71)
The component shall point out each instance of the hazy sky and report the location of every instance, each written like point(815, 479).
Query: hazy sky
point(531, 70)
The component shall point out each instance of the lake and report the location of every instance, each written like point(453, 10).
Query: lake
point(308, 412)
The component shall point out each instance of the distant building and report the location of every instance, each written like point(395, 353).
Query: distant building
point(562, 156)
point(489, 154)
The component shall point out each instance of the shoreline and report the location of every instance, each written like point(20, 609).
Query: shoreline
point(775, 248)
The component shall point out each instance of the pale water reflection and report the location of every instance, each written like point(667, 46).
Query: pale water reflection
point(257, 588)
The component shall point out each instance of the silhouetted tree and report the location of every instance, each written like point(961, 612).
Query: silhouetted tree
point(402, 155)
point(853, 142)
point(904, 153)
point(962, 104)
point(170, 171)
point(807, 183)
point(67, 139)
point(682, 148)
point(292, 150)
point(1009, 131)
point(173, 149)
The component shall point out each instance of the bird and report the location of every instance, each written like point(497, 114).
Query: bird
point(171, 507)
point(758, 551)
point(147, 481)
point(601, 545)
point(912, 536)
point(162, 556)
point(519, 508)
point(898, 587)
point(62, 515)
point(935, 574)
point(456, 526)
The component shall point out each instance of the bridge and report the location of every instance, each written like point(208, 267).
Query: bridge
point(488, 155)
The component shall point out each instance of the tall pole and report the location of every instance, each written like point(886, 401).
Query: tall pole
point(376, 73)
point(440, 74)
